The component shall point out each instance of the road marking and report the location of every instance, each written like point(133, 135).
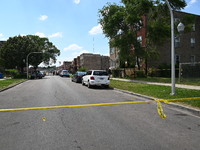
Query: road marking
point(158, 101)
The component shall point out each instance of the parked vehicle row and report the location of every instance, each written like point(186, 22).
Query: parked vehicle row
point(77, 77)
point(37, 75)
point(64, 73)
point(92, 78)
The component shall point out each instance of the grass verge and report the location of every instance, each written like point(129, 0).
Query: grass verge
point(157, 91)
point(9, 82)
point(168, 80)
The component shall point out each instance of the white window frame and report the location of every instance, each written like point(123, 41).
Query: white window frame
point(192, 58)
point(192, 42)
point(193, 27)
point(139, 39)
point(177, 41)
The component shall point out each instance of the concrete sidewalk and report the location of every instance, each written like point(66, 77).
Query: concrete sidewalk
point(163, 84)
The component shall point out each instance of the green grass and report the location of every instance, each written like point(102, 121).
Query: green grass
point(9, 82)
point(168, 80)
point(160, 92)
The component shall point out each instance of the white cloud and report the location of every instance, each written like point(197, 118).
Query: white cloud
point(96, 30)
point(75, 54)
point(77, 1)
point(191, 2)
point(58, 34)
point(2, 38)
point(72, 47)
point(40, 34)
point(43, 17)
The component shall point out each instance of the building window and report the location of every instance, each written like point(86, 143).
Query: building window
point(192, 58)
point(139, 39)
point(192, 41)
point(177, 61)
point(177, 41)
point(193, 27)
point(176, 20)
point(112, 50)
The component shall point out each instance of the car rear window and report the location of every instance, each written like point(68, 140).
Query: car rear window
point(100, 73)
point(81, 73)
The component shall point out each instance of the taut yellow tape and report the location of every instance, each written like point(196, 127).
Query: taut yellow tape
point(158, 101)
point(74, 106)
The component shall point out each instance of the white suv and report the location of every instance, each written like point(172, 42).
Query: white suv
point(96, 77)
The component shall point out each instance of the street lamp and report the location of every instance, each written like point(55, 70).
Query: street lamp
point(27, 66)
point(180, 29)
point(172, 50)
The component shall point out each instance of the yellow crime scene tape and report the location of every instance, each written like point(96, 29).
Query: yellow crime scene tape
point(158, 101)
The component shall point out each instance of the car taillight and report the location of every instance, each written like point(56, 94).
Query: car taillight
point(91, 78)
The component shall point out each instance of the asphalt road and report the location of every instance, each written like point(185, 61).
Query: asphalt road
point(120, 127)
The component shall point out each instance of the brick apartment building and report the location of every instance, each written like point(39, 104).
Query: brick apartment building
point(88, 61)
point(187, 45)
point(94, 61)
point(66, 65)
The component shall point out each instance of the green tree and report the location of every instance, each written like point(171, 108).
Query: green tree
point(14, 52)
point(121, 24)
point(121, 28)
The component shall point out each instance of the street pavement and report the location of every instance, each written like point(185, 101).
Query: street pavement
point(120, 127)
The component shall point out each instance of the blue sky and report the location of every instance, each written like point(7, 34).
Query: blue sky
point(72, 25)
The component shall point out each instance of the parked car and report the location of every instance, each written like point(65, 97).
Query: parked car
point(64, 73)
point(36, 75)
point(77, 77)
point(96, 78)
point(43, 73)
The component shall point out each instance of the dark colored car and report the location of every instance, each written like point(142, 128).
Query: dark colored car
point(36, 75)
point(77, 77)
point(43, 73)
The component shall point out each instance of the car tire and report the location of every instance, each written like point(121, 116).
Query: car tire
point(83, 83)
point(106, 86)
point(88, 85)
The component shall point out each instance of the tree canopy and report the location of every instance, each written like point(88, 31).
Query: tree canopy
point(121, 24)
point(14, 52)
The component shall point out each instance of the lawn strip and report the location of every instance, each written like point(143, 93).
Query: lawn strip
point(9, 82)
point(168, 80)
point(157, 91)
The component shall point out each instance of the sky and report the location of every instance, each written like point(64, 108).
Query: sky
point(71, 25)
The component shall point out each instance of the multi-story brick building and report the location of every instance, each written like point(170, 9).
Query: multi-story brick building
point(67, 65)
point(187, 45)
point(88, 61)
point(94, 61)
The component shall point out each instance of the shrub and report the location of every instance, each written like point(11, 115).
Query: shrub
point(140, 74)
point(14, 73)
point(83, 69)
point(116, 73)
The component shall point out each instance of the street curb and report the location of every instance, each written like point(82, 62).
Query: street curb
point(12, 86)
point(194, 111)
